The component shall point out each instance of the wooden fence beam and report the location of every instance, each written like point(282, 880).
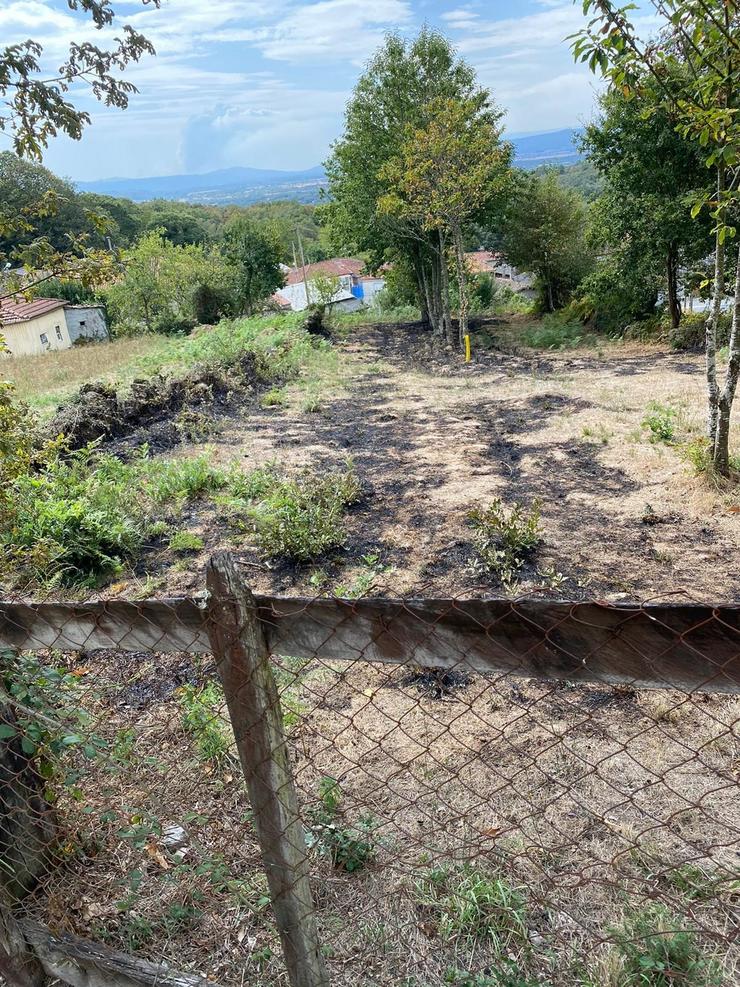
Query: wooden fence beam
point(673, 645)
point(243, 660)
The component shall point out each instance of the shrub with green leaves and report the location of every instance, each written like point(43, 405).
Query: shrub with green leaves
point(49, 718)
point(299, 518)
point(349, 847)
point(555, 333)
point(657, 951)
point(661, 421)
point(203, 717)
point(79, 518)
point(504, 537)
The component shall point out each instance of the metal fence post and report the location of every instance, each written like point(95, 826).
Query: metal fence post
point(242, 655)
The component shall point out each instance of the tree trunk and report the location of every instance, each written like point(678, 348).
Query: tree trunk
point(462, 283)
point(711, 328)
point(674, 303)
point(721, 451)
point(444, 283)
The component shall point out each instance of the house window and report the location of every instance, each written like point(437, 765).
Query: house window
point(59, 333)
point(82, 323)
point(44, 340)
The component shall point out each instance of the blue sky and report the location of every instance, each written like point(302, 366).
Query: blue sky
point(264, 83)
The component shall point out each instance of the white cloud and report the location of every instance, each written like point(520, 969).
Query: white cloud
point(264, 83)
point(332, 30)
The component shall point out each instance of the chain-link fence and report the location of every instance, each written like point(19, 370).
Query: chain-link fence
point(486, 792)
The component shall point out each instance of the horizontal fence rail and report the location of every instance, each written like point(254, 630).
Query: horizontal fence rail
point(688, 646)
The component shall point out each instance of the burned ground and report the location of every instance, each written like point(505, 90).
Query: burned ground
point(431, 438)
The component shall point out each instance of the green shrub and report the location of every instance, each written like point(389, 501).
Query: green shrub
point(656, 951)
point(202, 715)
point(691, 333)
point(302, 518)
point(186, 541)
point(698, 453)
point(82, 516)
point(349, 848)
point(504, 538)
point(554, 333)
point(661, 422)
point(465, 903)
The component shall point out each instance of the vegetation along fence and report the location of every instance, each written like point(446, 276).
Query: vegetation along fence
point(486, 792)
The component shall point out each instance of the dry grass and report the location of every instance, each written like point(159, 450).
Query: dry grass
point(45, 380)
point(572, 804)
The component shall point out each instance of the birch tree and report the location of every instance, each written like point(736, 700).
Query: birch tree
point(700, 45)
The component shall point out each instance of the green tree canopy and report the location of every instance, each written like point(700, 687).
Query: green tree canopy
point(545, 234)
point(255, 259)
point(445, 174)
point(693, 67)
point(651, 175)
point(394, 94)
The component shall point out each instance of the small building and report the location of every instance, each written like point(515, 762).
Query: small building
point(495, 264)
point(355, 289)
point(46, 324)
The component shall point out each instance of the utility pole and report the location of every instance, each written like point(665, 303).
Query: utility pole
point(303, 265)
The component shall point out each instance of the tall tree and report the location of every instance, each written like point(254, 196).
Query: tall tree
point(700, 46)
point(255, 259)
point(446, 173)
point(649, 171)
point(544, 233)
point(400, 84)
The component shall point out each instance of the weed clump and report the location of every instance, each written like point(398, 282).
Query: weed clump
point(656, 951)
point(469, 905)
point(661, 421)
point(298, 519)
point(79, 518)
point(350, 848)
point(202, 717)
point(504, 538)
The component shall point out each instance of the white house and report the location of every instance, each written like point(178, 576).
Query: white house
point(355, 290)
point(46, 324)
point(488, 262)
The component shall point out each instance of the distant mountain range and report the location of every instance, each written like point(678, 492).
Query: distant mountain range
point(245, 186)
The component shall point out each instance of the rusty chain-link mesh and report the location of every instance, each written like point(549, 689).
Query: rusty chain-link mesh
point(507, 827)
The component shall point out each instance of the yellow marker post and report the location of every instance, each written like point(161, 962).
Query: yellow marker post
point(467, 348)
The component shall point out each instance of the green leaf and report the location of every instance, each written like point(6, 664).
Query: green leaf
point(7, 731)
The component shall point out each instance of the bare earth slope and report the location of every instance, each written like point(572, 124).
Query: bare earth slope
point(622, 515)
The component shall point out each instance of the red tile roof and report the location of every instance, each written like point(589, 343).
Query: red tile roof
point(334, 268)
point(18, 310)
point(482, 261)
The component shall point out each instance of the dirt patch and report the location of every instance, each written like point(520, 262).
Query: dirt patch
point(148, 412)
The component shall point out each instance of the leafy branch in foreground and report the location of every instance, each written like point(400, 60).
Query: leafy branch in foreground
point(35, 105)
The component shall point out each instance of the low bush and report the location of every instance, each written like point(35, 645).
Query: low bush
point(661, 421)
point(298, 519)
point(657, 951)
point(203, 716)
point(77, 519)
point(504, 538)
point(349, 847)
point(691, 333)
point(555, 333)
point(698, 453)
